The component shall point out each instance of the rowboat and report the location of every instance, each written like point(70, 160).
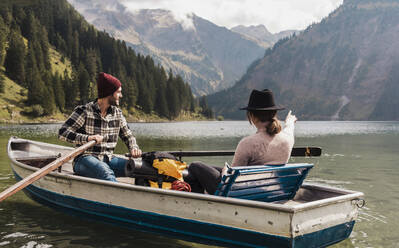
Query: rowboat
point(317, 216)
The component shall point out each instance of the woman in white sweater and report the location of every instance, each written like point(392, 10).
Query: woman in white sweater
point(270, 145)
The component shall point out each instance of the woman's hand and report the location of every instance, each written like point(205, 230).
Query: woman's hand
point(290, 118)
point(97, 138)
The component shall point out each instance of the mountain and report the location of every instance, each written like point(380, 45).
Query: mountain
point(261, 35)
point(343, 68)
point(209, 57)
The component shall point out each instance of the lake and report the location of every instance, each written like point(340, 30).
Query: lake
point(360, 156)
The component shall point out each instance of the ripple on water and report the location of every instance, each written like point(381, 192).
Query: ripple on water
point(372, 216)
point(333, 155)
point(15, 235)
point(33, 244)
point(29, 244)
point(325, 182)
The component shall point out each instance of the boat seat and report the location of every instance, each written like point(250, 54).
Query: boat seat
point(38, 161)
point(267, 183)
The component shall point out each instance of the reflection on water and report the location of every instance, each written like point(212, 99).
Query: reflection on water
point(359, 156)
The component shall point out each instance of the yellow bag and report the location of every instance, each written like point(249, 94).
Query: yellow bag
point(165, 185)
point(168, 167)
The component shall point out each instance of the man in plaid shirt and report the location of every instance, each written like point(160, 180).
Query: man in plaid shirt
point(102, 121)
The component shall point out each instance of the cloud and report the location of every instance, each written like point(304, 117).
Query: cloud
point(276, 15)
point(185, 19)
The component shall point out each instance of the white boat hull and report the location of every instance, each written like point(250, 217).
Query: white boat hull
point(318, 216)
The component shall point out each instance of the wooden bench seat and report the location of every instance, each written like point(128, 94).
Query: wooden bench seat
point(266, 183)
point(38, 161)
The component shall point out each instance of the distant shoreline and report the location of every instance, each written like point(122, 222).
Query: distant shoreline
point(43, 120)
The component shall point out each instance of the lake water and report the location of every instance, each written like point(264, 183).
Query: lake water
point(361, 156)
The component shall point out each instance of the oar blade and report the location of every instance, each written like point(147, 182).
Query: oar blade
point(44, 171)
point(306, 152)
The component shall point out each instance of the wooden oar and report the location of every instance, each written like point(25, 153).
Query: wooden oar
point(296, 152)
point(44, 171)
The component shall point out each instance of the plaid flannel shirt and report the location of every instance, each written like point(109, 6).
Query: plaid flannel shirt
point(86, 120)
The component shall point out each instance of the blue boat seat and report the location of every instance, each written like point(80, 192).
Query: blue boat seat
point(267, 183)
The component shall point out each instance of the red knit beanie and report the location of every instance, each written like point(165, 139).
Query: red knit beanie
point(107, 84)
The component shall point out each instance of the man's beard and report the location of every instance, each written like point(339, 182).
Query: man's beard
point(113, 102)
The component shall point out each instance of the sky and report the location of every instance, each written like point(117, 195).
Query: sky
point(275, 15)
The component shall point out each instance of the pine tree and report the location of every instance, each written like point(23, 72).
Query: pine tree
point(130, 92)
point(48, 100)
point(3, 38)
point(90, 60)
point(45, 48)
point(67, 34)
point(203, 103)
point(144, 100)
point(15, 59)
point(37, 90)
point(206, 110)
point(18, 13)
point(75, 48)
point(161, 105)
point(6, 14)
point(38, 37)
point(2, 83)
point(71, 91)
point(83, 79)
point(30, 27)
point(60, 43)
point(31, 67)
point(181, 92)
point(59, 92)
point(173, 98)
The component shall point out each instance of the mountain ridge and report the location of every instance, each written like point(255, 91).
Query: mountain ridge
point(188, 46)
point(261, 34)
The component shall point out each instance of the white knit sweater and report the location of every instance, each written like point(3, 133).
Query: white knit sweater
point(261, 148)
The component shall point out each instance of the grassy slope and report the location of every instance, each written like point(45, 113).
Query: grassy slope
point(13, 109)
point(12, 101)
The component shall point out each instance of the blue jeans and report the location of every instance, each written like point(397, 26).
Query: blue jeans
point(90, 166)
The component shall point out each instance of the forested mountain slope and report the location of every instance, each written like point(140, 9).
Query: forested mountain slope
point(31, 30)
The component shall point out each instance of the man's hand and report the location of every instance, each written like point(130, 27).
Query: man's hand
point(97, 138)
point(135, 152)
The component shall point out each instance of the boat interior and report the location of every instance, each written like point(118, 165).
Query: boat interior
point(38, 155)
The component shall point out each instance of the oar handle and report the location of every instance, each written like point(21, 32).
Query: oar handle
point(45, 170)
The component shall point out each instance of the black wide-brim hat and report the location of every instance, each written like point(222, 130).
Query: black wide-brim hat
point(262, 100)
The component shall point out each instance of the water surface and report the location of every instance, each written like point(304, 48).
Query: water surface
point(359, 156)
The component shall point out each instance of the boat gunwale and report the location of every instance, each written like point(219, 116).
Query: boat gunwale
point(347, 194)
